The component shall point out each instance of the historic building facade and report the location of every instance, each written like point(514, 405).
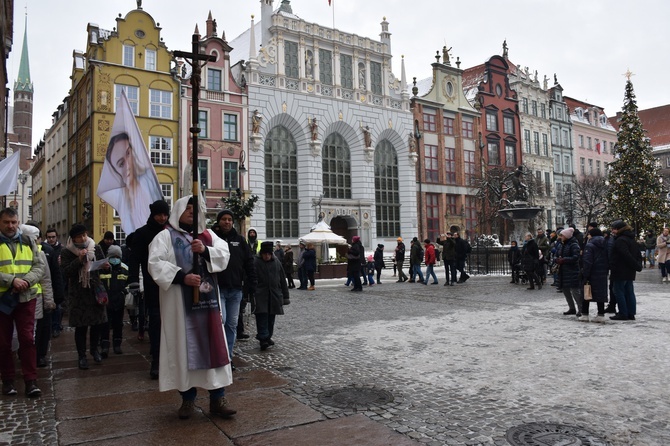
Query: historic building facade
point(133, 58)
point(488, 88)
point(222, 116)
point(329, 130)
point(54, 180)
point(446, 135)
point(535, 139)
point(563, 152)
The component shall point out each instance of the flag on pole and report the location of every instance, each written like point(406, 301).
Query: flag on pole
point(9, 173)
point(128, 181)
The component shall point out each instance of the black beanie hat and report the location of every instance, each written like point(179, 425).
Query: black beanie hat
point(267, 247)
point(109, 235)
point(77, 229)
point(159, 207)
point(224, 212)
point(618, 224)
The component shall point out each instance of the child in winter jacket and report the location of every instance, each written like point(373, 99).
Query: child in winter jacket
point(370, 270)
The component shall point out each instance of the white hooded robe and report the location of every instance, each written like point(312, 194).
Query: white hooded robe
point(173, 367)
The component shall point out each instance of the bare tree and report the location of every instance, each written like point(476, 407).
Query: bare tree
point(585, 201)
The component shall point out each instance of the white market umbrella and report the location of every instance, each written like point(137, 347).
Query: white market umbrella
point(321, 233)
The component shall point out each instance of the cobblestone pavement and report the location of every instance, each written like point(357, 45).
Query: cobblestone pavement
point(464, 364)
point(468, 362)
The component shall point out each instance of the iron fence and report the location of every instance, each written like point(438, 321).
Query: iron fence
point(488, 260)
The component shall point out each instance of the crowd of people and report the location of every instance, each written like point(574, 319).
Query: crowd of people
point(599, 266)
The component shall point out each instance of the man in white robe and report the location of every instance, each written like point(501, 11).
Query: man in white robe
point(193, 350)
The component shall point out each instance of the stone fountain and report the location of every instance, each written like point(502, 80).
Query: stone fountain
point(518, 209)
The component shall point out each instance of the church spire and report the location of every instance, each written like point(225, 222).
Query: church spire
point(23, 82)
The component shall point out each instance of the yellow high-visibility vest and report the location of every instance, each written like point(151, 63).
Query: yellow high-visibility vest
point(18, 265)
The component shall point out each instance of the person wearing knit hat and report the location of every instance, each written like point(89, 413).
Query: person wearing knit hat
point(399, 259)
point(271, 294)
point(355, 258)
point(138, 244)
point(86, 315)
point(625, 261)
point(106, 242)
point(379, 262)
point(114, 279)
point(236, 280)
point(568, 272)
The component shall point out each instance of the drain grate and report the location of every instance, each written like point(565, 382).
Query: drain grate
point(359, 398)
point(548, 434)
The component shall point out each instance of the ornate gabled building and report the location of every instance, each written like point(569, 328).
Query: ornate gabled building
point(593, 138)
point(535, 139)
point(563, 152)
point(222, 145)
point(134, 58)
point(55, 170)
point(487, 87)
point(446, 132)
point(329, 130)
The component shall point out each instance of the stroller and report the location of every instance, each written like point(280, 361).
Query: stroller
point(519, 274)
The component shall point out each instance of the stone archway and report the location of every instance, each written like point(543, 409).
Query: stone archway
point(345, 226)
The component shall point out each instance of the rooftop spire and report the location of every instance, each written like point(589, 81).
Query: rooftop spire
point(23, 82)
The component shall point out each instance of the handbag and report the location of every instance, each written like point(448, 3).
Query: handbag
point(130, 301)
point(587, 291)
point(8, 301)
point(101, 294)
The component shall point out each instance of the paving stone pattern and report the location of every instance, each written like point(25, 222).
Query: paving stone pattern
point(463, 365)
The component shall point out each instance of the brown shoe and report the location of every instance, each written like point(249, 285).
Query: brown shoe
point(220, 407)
point(311, 288)
point(186, 410)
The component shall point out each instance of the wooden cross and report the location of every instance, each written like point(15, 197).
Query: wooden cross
point(195, 59)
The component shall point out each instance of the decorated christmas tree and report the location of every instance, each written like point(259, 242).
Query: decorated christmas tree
point(636, 192)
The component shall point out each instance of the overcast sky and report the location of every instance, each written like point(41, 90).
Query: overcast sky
point(589, 44)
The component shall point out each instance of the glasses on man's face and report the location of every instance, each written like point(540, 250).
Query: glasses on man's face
point(51, 237)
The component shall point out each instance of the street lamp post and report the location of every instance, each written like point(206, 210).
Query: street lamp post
point(23, 177)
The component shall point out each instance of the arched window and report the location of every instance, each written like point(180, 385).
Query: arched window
point(336, 167)
point(281, 184)
point(387, 195)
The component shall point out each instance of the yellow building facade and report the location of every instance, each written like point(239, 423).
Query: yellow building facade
point(131, 57)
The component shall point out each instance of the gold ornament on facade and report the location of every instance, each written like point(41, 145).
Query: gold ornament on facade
point(103, 125)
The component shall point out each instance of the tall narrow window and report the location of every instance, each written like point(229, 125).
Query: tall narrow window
point(160, 150)
point(230, 127)
point(325, 67)
point(508, 124)
point(429, 120)
point(433, 215)
point(450, 165)
point(431, 164)
point(168, 195)
point(150, 60)
point(534, 108)
point(536, 142)
point(281, 184)
point(291, 61)
point(133, 95)
point(545, 145)
point(547, 183)
point(160, 104)
point(203, 173)
point(213, 79)
point(467, 130)
point(510, 155)
point(346, 71)
point(525, 105)
point(376, 77)
point(336, 167)
point(448, 125)
point(526, 140)
point(128, 55)
point(119, 235)
point(543, 110)
point(494, 154)
point(203, 124)
point(470, 213)
point(230, 175)
point(470, 169)
point(387, 190)
point(491, 121)
point(452, 205)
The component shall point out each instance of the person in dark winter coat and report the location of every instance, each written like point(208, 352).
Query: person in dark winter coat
point(400, 259)
point(107, 241)
point(625, 261)
point(271, 294)
point(595, 268)
point(138, 243)
point(239, 274)
point(415, 259)
point(568, 271)
point(354, 263)
point(462, 251)
point(85, 312)
point(309, 263)
point(530, 257)
point(514, 261)
point(448, 257)
point(379, 262)
point(288, 266)
point(114, 279)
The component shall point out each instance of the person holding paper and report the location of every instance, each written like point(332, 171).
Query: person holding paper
point(85, 312)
